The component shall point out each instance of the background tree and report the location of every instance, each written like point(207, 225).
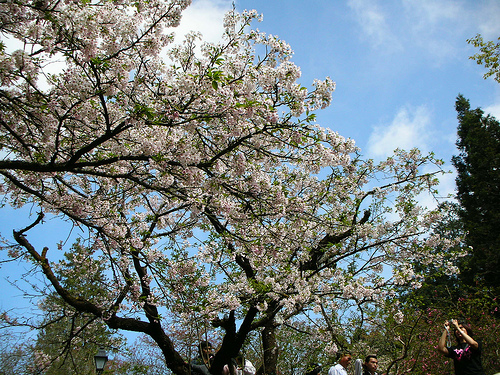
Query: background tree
point(17, 356)
point(300, 346)
point(140, 357)
point(478, 187)
point(199, 182)
point(68, 339)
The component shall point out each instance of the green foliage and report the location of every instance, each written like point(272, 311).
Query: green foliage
point(299, 348)
point(142, 357)
point(489, 56)
point(439, 287)
point(410, 346)
point(478, 186)
point(16, 353)
point(68, 339)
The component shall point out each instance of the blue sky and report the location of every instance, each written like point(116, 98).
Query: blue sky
point(398, 66)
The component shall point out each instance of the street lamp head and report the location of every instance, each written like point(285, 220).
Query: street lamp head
point(100, 360)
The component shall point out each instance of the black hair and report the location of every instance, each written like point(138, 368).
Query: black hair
point(343, 354)
point(369, 356)
point(203, 345)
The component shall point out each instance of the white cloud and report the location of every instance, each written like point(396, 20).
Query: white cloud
point(436, 30)
point(204, 16)
point(431, 12)
point(408, 129)
point(444, 25)
point(11, 44)
point(374, 24)
point(493, 110)
point(487, 19)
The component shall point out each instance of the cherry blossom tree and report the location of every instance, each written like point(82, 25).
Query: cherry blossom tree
point(196, 175)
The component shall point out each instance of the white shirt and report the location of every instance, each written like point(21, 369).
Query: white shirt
point(338, 369)
point(248, 369)
point(358, 367)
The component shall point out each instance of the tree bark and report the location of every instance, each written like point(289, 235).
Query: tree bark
point(270, 348)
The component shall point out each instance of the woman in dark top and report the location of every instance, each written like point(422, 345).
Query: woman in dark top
point(466, 354)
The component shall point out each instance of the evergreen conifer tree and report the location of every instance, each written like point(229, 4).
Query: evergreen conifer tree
point(478, 192)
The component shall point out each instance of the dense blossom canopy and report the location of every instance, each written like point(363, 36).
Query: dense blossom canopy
point(197, 171)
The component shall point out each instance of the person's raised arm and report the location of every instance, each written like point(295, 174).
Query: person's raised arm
point(442, 340)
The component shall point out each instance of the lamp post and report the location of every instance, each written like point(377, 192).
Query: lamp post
point(100, 360)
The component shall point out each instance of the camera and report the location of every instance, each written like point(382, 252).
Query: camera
point(450, 322)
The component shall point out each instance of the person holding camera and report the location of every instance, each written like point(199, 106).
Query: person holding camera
point(466, 354)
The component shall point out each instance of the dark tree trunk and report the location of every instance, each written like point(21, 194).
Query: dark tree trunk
point(270, 361)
